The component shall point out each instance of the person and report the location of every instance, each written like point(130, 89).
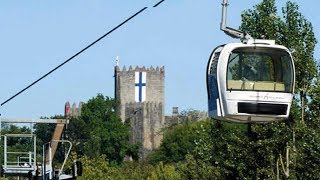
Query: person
point(249, 73)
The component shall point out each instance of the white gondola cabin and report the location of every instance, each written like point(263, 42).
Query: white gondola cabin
point(250, 82)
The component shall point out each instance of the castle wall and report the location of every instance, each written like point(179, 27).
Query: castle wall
point(146, 122)
point(72, 111)
point(134, 115)
point(154, 119)
point(146, 118)
point(125, 86)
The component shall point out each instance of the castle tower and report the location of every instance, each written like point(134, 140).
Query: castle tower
point(140, 92)
point(73, 111)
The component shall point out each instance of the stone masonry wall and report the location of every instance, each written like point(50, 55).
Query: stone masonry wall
point(125, 85)
point(146, 119)
point(146, 122)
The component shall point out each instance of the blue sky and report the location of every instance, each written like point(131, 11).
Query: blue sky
point(36, 36)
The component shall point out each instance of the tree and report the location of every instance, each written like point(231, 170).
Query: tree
point(162, 171)
point(286, 149)
point(178, 142)
point(299, 37)
point(281, 142)
point(99, 130)
point(314, 105)
point(293, 31)
point(193, 168)
point(191, 115)
point(262, 22)
point(97, 168)
point(16, 144)
point(44, 133)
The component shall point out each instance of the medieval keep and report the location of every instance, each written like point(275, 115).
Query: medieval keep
point(140, 92)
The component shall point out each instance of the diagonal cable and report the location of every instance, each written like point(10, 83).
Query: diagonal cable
point(75, 55)
point(81, 51)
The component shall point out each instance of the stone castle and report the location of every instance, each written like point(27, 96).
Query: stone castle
point(140, 92)
point(141, 96)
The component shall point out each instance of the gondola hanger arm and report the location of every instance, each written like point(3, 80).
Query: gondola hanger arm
point(234, 33)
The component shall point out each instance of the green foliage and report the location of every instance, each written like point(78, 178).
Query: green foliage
point(164, 172)
point(300, 135)
point(197, 169)
point(99, 130)
point(136, 170)
point(222, 151)
point(298, 36)
point(234, 151)
point(190, 115)
point(178, 142)
point(97, 168)
point(262, 22)
point(78, 132)
point(44, 133)
point(314, 105)
point(293, 31)
point(15, 144)
point(307, 152)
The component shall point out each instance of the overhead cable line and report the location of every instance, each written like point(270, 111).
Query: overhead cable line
point(78, 53)
point(157, 4)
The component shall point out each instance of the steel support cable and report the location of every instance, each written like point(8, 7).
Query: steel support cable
point(78, 53)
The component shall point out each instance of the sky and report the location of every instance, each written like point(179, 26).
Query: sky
point(36, 36)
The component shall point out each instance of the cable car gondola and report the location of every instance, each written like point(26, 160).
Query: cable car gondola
point(249, 82)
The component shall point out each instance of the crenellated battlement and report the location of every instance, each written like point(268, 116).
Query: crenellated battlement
point(72, 111)
point(144, 104)
point(130, 70)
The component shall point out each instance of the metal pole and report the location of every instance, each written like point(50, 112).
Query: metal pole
point(224, 15)
point(43, 161)
point(234, 33)
point(50, 161)
point(35, 153)
point(5, 152)
point(65, 159)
